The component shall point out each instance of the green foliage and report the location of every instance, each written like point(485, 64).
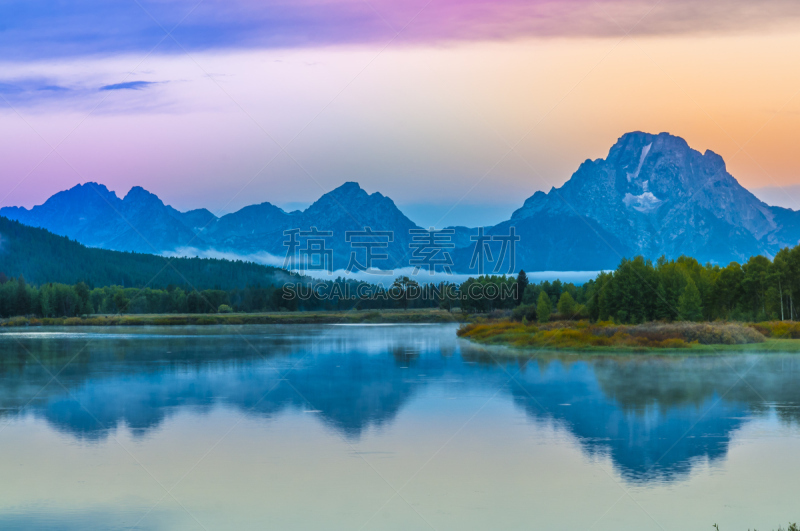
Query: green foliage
point(450, 296)
point(55, 300)
point(43, 257)
point(683, 289)
point(488, 293)
point(566, 305)
point(522, 284)
point(640, 291)
point(121, 302)
point(524, 312)
point(224, 308)
point(45, 275)
point(543, 307)
point(690, 306)
point(583, 335)
point(405, 289)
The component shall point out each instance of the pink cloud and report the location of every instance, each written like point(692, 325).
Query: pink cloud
point(37, 28)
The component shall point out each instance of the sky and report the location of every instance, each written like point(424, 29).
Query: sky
point(457, 110)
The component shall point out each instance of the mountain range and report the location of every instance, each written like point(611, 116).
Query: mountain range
point(652, 195)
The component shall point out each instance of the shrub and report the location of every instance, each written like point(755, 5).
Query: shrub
point(224, 308)
point(372, 316)
point(499, 314)
point(778, 329)
point(524, 311)
point(582, 334)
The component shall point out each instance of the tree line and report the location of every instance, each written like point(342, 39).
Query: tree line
point(640, 290)
point(18, 298)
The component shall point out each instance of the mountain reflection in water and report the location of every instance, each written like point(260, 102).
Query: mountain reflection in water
point(654, 416)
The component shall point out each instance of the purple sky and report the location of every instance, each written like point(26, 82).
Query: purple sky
point(458, 110)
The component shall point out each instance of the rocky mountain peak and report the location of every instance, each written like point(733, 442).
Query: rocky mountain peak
point(350, 200)
point(628, 149)
point(350, 193)
point(137, 194)
point(89, 192)
point(349, 187)
point(660, 196)
point(652, 195)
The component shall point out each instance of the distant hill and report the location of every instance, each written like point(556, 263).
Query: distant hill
point(652, 195)
point(43, 257)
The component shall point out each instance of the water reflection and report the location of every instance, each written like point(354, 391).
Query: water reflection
point(654, 417)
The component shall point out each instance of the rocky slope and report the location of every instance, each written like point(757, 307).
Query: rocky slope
point(96, 217)
point(141, 222)
point(652, 195)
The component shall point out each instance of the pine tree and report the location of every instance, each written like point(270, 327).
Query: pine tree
point(82, 292)
point(663, 310)
point(23, 306)
point(690, 306)
point(522, 283)
point(543, 307)
point(46, 300)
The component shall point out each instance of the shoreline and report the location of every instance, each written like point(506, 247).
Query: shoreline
point(424, 316)
point(771, 345)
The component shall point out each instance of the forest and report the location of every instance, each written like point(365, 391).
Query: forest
point(637, 291)
point(43, 257)
point(18, 298)
point(640, 291)
point(42, 274)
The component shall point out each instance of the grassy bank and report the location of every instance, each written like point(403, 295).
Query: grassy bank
point(353, 317)
point(582, 335)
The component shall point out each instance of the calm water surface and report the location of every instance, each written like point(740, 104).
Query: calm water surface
point(385, 428)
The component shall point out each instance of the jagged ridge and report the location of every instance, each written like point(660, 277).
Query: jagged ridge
point(652, 195)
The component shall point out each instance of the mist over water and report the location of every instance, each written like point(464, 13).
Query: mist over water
point(320, 427)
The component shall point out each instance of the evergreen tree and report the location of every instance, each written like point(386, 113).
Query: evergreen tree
point(543, 307)
point(597, 301)
point(46, 300)
point(663, 310)
point(522, 283)
point(23, 306)
point(82, 291)
point(690, 305)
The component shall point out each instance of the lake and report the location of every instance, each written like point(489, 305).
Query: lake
point(385, 428)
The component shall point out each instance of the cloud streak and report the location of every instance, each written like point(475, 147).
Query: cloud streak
point(129, 85)
point(39, 28)
point(73, 92)
point(23, 91)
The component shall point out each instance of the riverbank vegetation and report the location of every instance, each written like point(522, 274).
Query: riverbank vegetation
point(583, 335)
point(761, 290)
point(324, 317)
point(669, 304)
point(640, 290)
point(792, 527)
